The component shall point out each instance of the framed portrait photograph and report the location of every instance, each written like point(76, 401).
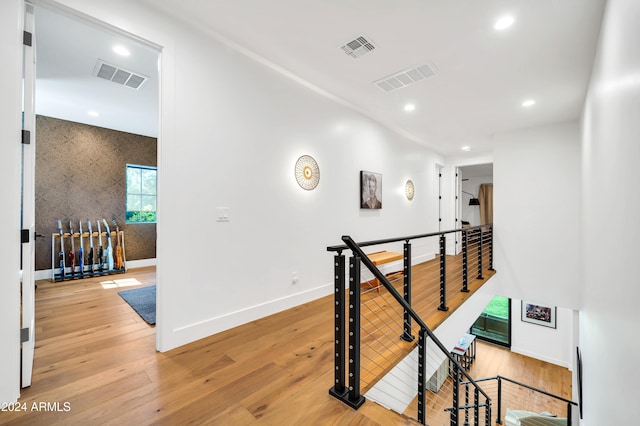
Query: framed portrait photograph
point(370, 190)
point(539, 314)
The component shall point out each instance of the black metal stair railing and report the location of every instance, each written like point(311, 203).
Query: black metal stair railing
point(506, 391)
point(349, 393)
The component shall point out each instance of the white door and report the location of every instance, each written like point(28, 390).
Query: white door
point(28, 199)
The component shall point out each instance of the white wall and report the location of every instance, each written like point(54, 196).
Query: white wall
point(536, 224)
point(10, 125)
point(537, 213)
point(610, 229)
point(231, 132)
point(554, 345)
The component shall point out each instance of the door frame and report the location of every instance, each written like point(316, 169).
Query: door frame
point(11, 35)
point(27, 210)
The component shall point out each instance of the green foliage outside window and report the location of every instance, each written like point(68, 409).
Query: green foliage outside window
point(498, 307)
point(141, 194)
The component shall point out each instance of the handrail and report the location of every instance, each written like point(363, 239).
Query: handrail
point(498, 377)
point(357, 251)
point(412, 237)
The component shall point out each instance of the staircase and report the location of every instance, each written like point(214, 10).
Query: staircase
point(394, 332)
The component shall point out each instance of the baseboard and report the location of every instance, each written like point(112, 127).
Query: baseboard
point(141, 263)
point(192, 332)
point(46, 274)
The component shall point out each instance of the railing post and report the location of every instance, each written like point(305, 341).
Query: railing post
point(406, 334)
point(487, 415)
point(569, 419)
point(476, 405)
point(354, 399)
point(498, 420)
point(422, 351)
point(466, 404)
point(490, 232)
point(480, 277)
point(443, 274)
point(465, 262)
point(456, 402)
point(338, 390)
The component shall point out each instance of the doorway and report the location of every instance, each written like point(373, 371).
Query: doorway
point(471, 181)
point(88, 126)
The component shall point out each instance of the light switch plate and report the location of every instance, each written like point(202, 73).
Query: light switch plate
point(223, 214)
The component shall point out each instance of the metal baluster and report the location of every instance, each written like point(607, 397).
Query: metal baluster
point(480, 277)
point(476, 404)
point(456, 402)
point(465, 261)
point(422, 352)
point(498, 420)
point(355, 400)
point(406, 334)
point(491, 248)
point(443, 273)
point(466, 404)
point(338, 390)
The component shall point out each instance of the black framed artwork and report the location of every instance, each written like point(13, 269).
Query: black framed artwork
point(370, 190)
point(539, 314)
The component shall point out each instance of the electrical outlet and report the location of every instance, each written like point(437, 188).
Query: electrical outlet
point(294, 277)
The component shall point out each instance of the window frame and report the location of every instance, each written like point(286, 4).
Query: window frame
point(140, 168)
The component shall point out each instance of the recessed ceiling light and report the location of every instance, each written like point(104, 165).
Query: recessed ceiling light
point(409, 107)
point(93, 113)
point(121, 50)
point(503, 23)
point(466, 148)
point(528, 103)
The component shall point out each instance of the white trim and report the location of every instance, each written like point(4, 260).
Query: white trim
point(46, 274)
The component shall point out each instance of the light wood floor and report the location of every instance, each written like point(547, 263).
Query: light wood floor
point(94, 353)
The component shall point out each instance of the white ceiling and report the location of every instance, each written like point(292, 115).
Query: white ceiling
point(483, 75)
point(67, 51)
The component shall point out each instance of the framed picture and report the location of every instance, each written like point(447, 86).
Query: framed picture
point(539, 314)
point(370, 190)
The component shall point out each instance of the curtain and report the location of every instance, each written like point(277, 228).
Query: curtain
point(485, 195)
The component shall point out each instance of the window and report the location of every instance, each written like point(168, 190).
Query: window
point(494, 324)
point(141, 194)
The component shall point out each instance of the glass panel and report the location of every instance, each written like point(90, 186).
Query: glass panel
point(148, 182)
point(134, 180)
point(148, 203)
point(495, 322)
point(133, 203)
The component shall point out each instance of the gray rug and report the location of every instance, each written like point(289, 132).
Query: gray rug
point(143, 301)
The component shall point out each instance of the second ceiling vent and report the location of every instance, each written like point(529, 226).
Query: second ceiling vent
point(406, 77)
point(118, 75)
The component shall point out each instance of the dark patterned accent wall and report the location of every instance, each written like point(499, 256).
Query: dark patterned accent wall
point(81, 175)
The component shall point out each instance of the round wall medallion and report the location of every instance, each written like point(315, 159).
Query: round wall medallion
point(409, 190)
point(307, 172)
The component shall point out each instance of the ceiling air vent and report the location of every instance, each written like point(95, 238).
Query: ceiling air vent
point(406, 77)
point(358, 47)
point(118, 75)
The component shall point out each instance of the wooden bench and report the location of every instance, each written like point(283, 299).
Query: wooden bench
point(379, 258)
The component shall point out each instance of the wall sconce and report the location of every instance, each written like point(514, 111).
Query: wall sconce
point(473, 201)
